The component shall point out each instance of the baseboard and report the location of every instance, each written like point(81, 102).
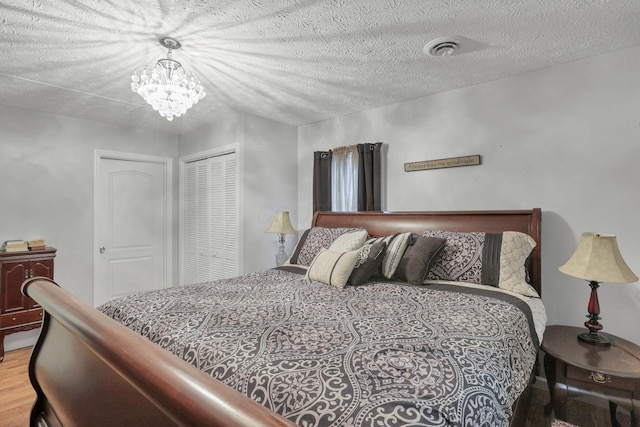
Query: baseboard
point(21, 340)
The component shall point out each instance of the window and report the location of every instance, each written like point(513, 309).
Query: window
point(344, 179)
point(348, 179)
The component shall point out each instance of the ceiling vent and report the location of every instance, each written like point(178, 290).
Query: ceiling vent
point(443, 49)
point(443, 46)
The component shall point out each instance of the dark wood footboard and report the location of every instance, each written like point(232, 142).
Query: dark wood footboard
point(88, 370)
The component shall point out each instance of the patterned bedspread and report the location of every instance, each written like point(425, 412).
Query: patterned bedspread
point(381, 354)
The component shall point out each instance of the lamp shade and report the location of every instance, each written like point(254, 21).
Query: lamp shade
point(597, 258)
point(281, 224)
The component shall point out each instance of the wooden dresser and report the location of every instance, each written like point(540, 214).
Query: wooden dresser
point(18, 312)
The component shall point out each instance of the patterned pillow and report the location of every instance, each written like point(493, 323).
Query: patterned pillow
point(370, 258)
point(332, 268)
point(485, 258)
point(349, 241)
point(460, 259)
point(396, 245)
point(313, 240)
point(417, 259)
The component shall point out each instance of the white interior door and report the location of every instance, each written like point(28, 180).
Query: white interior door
point(131, 232)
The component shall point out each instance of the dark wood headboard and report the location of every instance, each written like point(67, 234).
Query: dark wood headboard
point(386, 223)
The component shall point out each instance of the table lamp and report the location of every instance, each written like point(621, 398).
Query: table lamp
point(597, 259)
point(282, 225)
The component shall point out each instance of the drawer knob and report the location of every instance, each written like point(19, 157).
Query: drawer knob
point(599, 377)
point(13, 318)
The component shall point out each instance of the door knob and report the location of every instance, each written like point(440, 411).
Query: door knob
point(102, 249)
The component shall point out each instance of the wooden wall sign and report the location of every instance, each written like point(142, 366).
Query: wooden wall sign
point(451, 162)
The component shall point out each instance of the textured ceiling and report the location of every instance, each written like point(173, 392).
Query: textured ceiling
point(295, 61)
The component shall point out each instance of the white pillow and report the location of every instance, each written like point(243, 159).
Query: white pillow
point(332, 268)
point(349, 241)
point(396, 246)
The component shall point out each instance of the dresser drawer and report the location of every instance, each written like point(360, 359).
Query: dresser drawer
point(14, 319)
point(600, 379)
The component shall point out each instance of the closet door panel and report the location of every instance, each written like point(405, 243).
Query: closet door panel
point(191, 223)
point(216, 216)
point(231, 235)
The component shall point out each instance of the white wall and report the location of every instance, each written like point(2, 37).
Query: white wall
point(565, 139)
point(46, 170)
point(270, 185)
point(268, 168)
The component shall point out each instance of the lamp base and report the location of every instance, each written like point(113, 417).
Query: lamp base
point(592, 324)
point(595, 339)
point(281, 256)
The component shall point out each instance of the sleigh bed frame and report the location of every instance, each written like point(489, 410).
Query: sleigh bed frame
point(124, 380)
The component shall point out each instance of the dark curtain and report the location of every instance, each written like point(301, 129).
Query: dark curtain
point(322, 181)
point(369, 193)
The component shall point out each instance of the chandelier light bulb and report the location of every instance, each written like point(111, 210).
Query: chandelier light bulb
point(167, 86)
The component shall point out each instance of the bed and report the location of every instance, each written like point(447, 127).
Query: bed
point(280, 348)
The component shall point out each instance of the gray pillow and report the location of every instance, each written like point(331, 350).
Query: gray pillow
point(417, 259)
point(370, 258)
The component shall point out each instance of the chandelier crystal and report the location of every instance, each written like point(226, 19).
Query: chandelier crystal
point(166, 85)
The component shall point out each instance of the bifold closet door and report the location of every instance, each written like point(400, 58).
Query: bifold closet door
point(211, 219)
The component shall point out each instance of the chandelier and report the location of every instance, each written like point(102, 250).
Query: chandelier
point(166, 85)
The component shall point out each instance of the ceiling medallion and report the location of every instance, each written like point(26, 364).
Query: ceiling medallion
point(166, 85)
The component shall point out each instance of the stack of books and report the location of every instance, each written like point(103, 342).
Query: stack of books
point(15, 246)
point(36, 245)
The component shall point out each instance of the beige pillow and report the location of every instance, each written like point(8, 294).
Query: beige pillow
point(349, 241)
point(514, 251)
point(314, 239)
point(332, 268)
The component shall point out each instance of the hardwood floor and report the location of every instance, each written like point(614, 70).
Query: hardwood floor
point(17, 397)
point(16, 394)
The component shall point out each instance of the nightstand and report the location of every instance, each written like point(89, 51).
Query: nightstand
point(575, 368)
